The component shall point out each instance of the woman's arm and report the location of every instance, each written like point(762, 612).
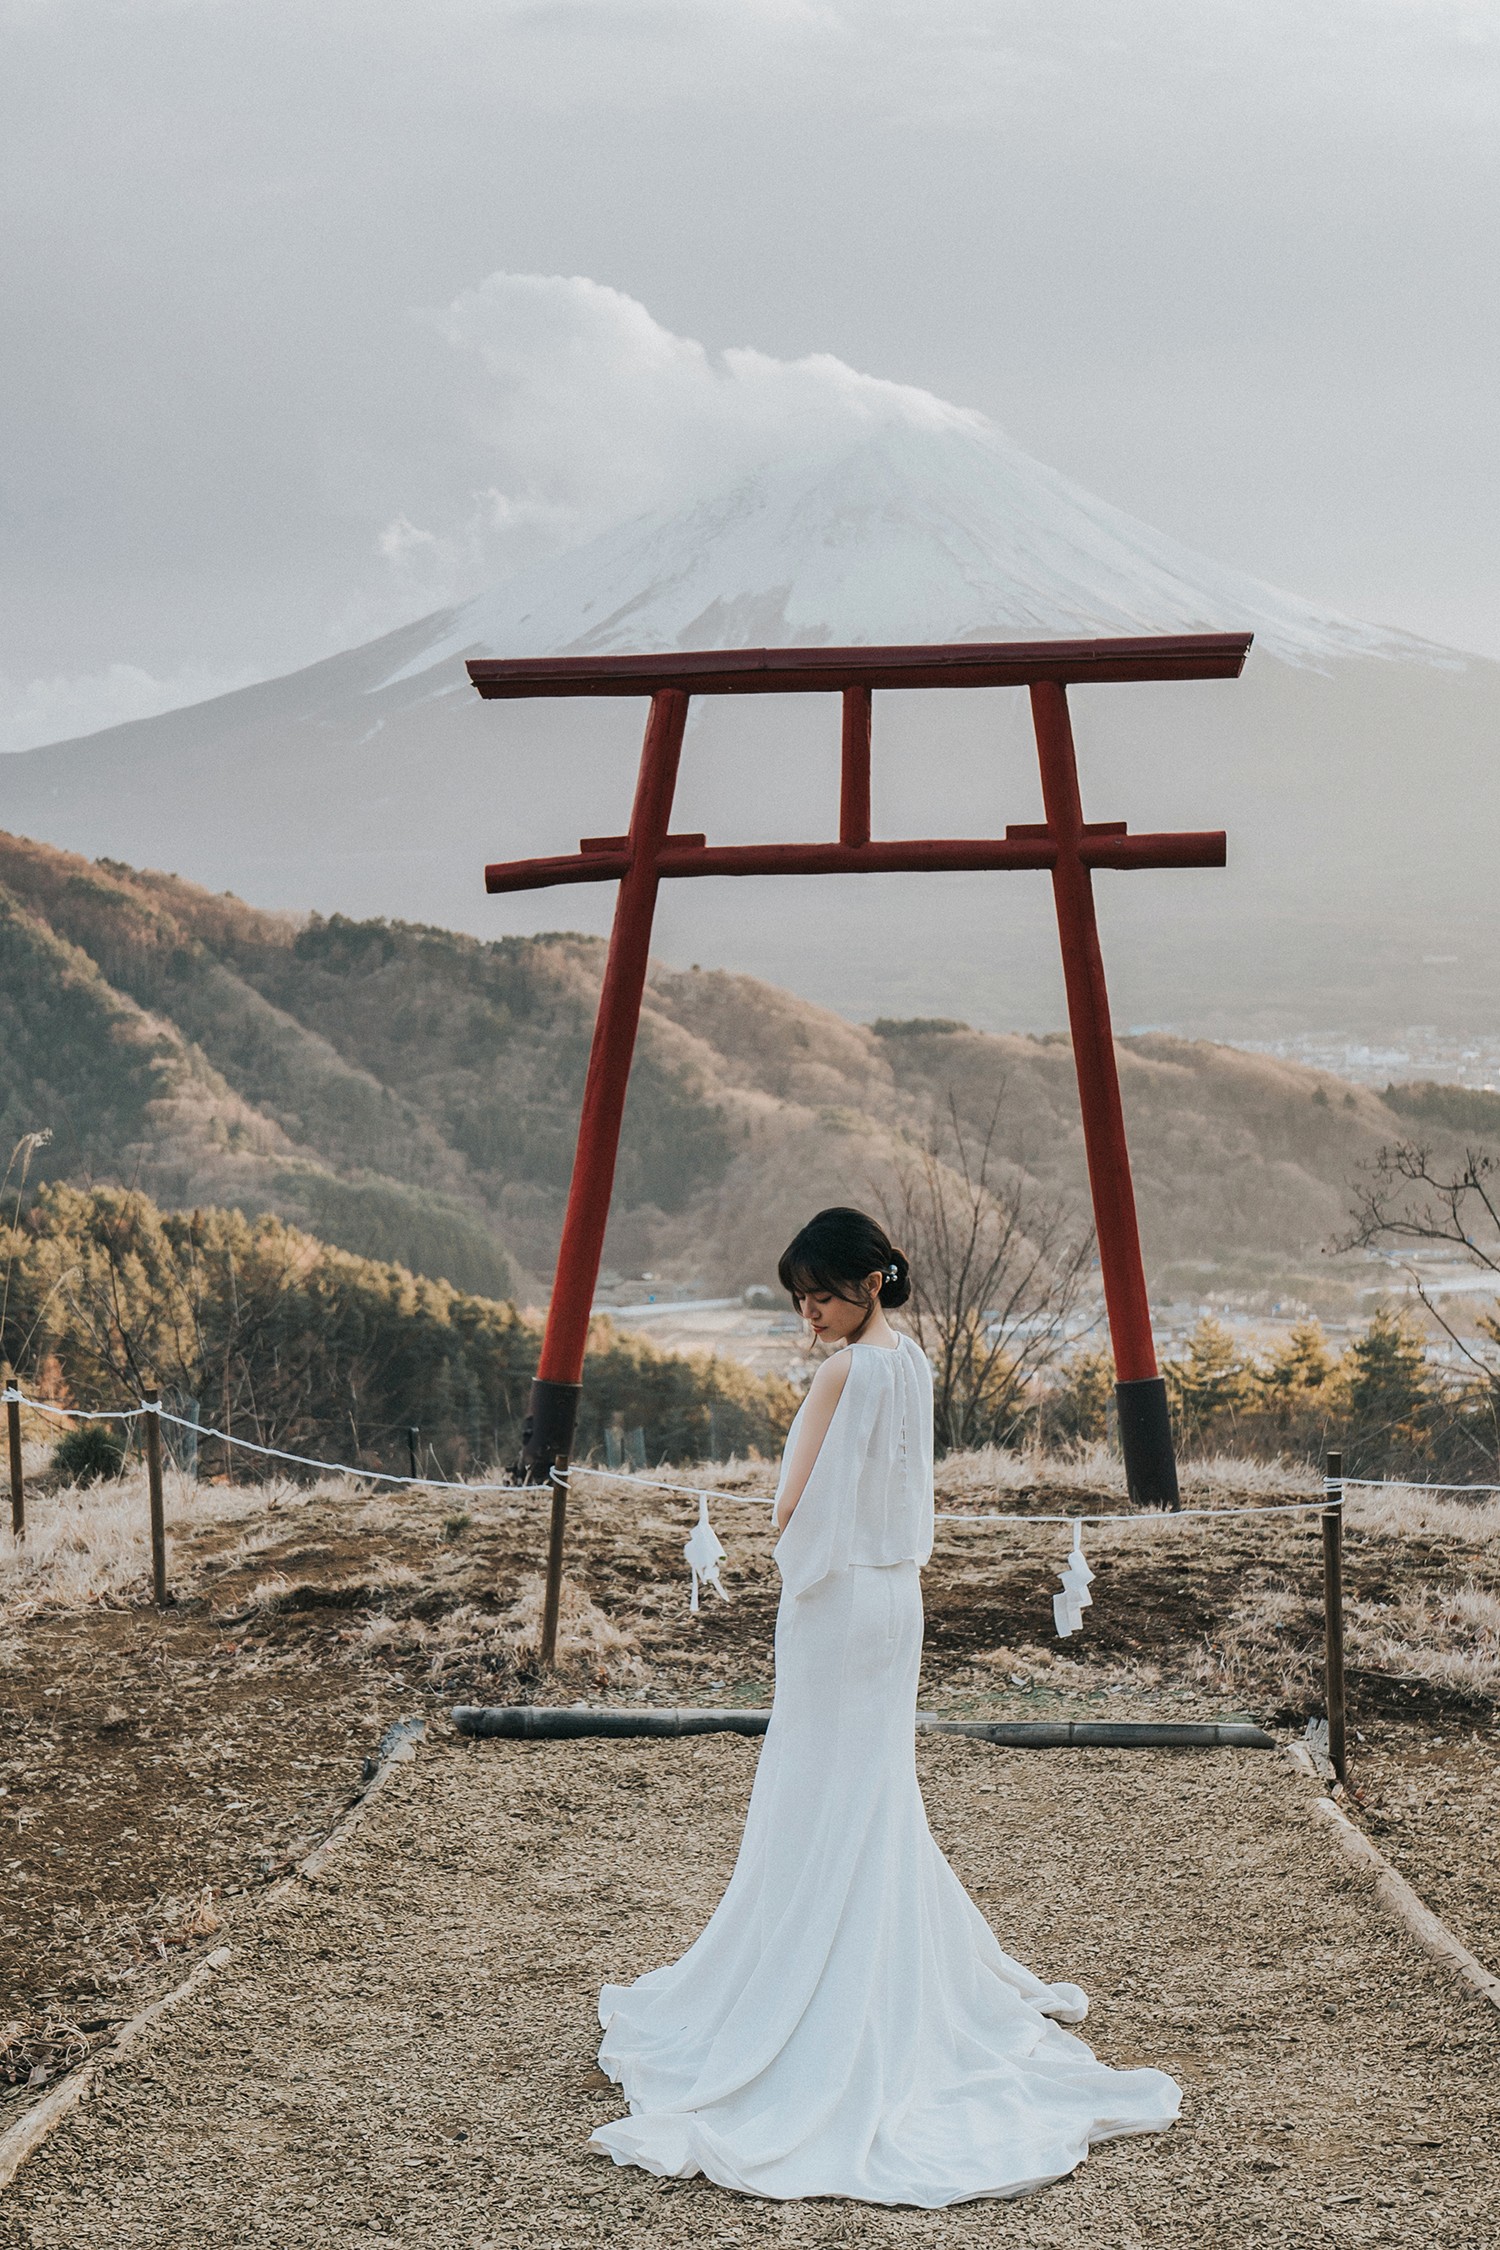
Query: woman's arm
point(823, 1396)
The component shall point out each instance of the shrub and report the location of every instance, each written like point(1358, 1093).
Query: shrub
point(1075, 1406)
point(89, 1454)
point(1391, 1396)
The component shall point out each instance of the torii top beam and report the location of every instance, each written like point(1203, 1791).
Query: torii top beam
point(855, 673)
point(802, 671)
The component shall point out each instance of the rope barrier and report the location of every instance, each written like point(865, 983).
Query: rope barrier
point(947, 1515)
point(1408, 1484)
point(337, 1468)
point(661, 1484)
point(248, 1445)
point(1155, 1518)
point(704, 1551)
point(73, 1413)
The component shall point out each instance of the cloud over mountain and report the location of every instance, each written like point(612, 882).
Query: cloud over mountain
point(583, 410)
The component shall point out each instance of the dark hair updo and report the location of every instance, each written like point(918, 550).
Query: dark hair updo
point(834, 1252)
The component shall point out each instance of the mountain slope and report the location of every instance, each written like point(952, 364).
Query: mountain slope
point(407, 1092)
point(412, 1093)
point(147, 1056)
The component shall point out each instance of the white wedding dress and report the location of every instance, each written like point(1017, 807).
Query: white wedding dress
point(846, 2024)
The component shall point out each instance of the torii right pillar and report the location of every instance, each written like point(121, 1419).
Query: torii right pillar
point(1140, 1393)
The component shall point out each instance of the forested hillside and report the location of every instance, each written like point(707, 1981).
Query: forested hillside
point(409, 1093)
point(258, 1330)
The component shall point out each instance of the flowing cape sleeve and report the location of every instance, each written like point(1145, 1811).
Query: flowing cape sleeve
point(869, 1497)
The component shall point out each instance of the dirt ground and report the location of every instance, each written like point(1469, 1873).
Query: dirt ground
point(404, 2050)
point(156, 1771)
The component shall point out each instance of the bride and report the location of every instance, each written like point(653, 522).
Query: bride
point(846, 2024)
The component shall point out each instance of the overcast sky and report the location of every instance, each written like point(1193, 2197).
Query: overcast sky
point(315, 315)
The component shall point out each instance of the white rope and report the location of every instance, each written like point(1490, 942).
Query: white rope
point(74, 1413)
point(1408, 1484)
point(1154, 1520)
point(660, 1484)
point(336, 1468)
point(378, 1476)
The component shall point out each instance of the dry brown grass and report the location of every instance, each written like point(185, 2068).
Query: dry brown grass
point(1448, 1635)
point(92, 1544)
point(1273, 1639)
point(1405, 1511)
point(1436, 1620)
point(470, 1640)
point(1093, 1472)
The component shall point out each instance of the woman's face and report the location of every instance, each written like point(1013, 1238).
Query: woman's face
point(834, 1320)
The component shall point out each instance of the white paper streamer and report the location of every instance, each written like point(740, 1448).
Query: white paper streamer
point(1068, 1606)
point(704, 1551)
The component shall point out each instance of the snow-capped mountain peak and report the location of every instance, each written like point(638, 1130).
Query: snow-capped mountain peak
point(911, 533)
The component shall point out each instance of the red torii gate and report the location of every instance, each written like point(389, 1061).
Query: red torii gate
point(1066, 845)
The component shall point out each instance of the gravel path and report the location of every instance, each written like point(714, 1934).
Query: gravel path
point(1431, 1801)
point(404, 2050)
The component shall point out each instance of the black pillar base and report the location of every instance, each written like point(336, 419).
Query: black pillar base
point(547, 1432)
point(1146, 1442)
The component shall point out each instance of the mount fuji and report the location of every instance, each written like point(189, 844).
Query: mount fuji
point(938, 533)
point(1351, 765)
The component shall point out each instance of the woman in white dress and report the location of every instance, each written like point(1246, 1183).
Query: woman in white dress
point(846, 2024)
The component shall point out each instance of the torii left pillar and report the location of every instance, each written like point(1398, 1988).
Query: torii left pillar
point(547, 1438)
point(1065, 845)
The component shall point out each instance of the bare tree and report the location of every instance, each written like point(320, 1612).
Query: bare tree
point(997, 1272)
point(1404, 1196)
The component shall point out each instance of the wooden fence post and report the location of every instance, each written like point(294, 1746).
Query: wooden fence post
point(13, 1434)
point(1333, 1612)
point(151, 1398)
point(552, 1598)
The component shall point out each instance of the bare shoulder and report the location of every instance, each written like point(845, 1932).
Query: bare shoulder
point(831, 1377)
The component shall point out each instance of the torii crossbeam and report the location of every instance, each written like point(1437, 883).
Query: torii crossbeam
point(1066, 845)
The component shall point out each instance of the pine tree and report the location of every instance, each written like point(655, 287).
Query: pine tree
point(1391, 1394)
point(1299, 1371)
point(286, 1342)
point(1210, 1385)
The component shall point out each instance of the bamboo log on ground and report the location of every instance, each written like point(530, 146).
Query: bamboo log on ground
point(542, 1722)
